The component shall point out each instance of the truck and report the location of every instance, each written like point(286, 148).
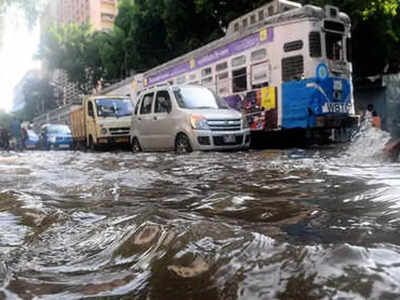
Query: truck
point(101, 121)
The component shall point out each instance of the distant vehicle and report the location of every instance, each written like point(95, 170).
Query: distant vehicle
point(101, 121)
point(55, 136)
point(186, 118)
point(32, 140)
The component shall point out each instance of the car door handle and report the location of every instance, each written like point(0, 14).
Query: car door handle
point(154, 118)
point(140, 119)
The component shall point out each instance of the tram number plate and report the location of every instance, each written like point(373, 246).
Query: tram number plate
point(338, 107)
point(228, 139)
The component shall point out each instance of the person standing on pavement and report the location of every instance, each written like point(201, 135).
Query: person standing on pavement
point(376, 120)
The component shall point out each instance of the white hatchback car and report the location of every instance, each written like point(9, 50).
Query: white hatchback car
point(186, 118)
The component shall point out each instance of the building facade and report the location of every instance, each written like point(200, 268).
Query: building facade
point(19, 99)
point(100, 14)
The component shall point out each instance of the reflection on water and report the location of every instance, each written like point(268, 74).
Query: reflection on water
point(320, 223)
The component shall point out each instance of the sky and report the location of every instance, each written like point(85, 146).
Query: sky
point(19, 44)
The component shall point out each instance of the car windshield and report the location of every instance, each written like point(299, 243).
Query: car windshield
point(114, 107)
point(58, 129)
point(197, 97)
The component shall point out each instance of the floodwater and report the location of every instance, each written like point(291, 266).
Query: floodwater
point(318, 223)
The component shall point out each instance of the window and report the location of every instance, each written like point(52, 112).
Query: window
point(260, 15)
point(334, 46)
point(236, 27)
point(258, 54)
point(239, 80)
point(192, 76)
point(349, 49)
point(181, 80)
point(223, 83)
point(136, 109)
point(163, 102)
point(205, 72)
point(221, 66)
point(90, 109)
point(252, 19)
point(292, 68)
point(293, 46)
point(315, 44)
point(270, 11)
point(244, 23)
point(207, 81)
point(335, 26)
point(146, 104)
point(259, 74)
point(238, 61)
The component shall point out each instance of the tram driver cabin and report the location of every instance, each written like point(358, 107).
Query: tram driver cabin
point(284, 66)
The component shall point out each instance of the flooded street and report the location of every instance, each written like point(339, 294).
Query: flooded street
point(321, 223)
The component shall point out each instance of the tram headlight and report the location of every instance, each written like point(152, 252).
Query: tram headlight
point(199, 122)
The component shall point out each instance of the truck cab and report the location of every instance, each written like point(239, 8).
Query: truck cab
point(102, 121)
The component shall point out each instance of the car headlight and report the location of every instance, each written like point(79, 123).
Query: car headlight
point(245, 123)
point(104, 131)
point(52, 139)
point(199, 122)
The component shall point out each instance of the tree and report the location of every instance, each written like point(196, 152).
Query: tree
point(73, 48)
point(39, 98)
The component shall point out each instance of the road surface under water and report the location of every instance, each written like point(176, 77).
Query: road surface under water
point(320, 223)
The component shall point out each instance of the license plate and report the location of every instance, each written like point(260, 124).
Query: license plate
point(122, 140)
point(336, 107)
point(63, 146)
point(229, 139)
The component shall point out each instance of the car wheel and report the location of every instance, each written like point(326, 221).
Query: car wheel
point(92, 145)
point(135, 146)
point(182, 144)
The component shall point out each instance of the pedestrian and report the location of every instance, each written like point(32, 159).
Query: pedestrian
point(16, 133)
point(24, 137)
point(376, 120)
point(5, 139)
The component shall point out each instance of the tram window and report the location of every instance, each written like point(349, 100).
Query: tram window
point(206, 81)
point(270, 11)
point(239, 80)
point(334, 46)
point(293, 46)
point(315, 44)
point(221, 66)
point(238, 61)
point(206, 72)
point(244, 22)
point(258, 54)
point(261, 15)
point(223, 83)
point(292, 68)
point(192, 76)
point(252, 19)
point(236, 27)
point(146, 104)
point(259, 74)
point(349, 48)
point(181, 80)
point(222, 76)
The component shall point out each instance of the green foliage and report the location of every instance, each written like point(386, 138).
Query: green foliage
point(74, 49)
point(39, 98)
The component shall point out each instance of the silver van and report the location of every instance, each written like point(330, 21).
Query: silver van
point(186, 118)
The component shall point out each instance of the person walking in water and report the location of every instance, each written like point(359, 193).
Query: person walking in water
point(16, 133)
point(376, 120)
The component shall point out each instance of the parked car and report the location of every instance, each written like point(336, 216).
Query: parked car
point(32, 139)
point(55, 136)
point(186, 118)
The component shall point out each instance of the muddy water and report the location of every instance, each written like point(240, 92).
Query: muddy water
point(321, 223)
